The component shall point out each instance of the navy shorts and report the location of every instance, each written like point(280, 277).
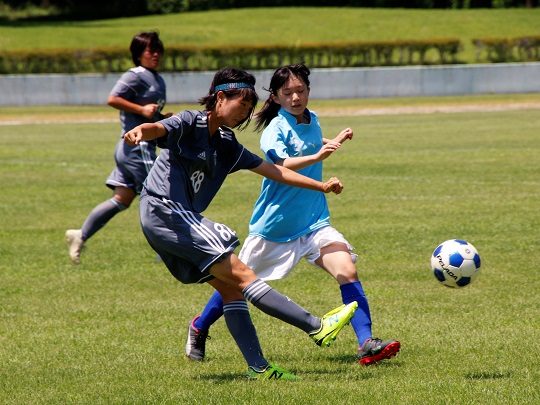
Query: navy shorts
point(188, 243)
point(133, 163)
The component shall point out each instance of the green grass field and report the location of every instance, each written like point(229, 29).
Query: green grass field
point(112, 330)
point(289, 25)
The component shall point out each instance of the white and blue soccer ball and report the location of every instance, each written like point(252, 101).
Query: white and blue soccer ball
point(455, 263)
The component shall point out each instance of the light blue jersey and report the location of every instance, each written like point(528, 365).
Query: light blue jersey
point(283, 213)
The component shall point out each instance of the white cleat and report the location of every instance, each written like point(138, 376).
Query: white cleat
point(75, 244)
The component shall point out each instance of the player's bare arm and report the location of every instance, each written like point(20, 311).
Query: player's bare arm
point(299, 162)
point(291, 178)
point(144, 132)
point(122, 104)
point(347, 133)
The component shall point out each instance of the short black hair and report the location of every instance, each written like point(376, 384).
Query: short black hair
point(141, 41)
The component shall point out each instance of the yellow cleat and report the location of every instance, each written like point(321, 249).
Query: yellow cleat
point(332, 323)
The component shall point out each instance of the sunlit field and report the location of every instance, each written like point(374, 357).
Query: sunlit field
point(112, 330)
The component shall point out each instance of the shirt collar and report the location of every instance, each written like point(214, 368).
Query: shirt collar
point(291, 119)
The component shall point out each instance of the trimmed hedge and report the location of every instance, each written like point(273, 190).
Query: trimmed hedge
point(250, 57)
point(255, 57)
point(521, 49)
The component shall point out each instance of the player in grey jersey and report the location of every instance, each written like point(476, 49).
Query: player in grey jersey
point(199, 151)
point(140, 95)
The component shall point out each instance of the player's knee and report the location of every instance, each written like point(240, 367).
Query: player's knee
point(230, 295)
point(347, 274)
point(121, 205)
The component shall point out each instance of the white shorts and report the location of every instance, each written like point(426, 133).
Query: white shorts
point(275, 260)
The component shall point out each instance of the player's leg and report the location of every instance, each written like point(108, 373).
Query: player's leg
point(126, 181)
point(238, 320)
point(336, 259)
point(195, 250)
point(199, 327)
point(97, 219)
point(239, 323)
point(269, 260)
point(237, 275)
point(104, 212)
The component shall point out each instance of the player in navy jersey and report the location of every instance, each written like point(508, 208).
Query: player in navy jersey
point(290, 223)
point(199, 150)
point(140, 95)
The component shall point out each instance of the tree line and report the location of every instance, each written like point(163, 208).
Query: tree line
point(97, 9)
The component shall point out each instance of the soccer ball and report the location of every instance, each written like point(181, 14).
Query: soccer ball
point(455, 263)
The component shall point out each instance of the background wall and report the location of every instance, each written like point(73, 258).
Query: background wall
point(187, 87)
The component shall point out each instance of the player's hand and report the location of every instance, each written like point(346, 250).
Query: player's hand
point(133, 137)
point(327, 149)
point(149, 110)
point(347, 133)
point(333, 186)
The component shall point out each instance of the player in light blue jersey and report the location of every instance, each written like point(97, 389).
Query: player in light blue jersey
point(199, 150)
point(290, 223)
point(140, 95)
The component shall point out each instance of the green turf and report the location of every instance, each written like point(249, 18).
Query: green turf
point(112, 330)
point(288, 25)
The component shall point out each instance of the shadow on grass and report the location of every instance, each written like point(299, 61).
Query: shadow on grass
point(345, 359)
point(221, 378)
point(364, 372)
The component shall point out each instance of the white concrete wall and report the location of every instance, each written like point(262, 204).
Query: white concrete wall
point(188, 87)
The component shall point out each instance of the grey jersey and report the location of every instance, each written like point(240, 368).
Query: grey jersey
point(192, 166)
point(140, 86)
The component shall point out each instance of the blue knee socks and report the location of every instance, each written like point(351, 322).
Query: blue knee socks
point(361, 321)
point(211, 312)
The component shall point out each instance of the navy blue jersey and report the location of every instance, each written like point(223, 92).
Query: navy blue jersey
point(140, 86)
point(192, 165)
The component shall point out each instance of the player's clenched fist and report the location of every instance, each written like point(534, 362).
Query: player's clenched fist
point(144, 132)
point(133, 137)
point(333, 186)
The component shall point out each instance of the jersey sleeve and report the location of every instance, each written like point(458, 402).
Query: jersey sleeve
point(273, 144)
point(126, 86)
point(246, 159)
point(178, 128)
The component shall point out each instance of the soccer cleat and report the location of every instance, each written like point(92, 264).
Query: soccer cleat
point(332, 323)
point(374, 350)
point(196, 341)
point(75, 244)
point(271, 372)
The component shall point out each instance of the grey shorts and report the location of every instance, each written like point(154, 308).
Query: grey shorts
point(188, 243)
point(132, 165)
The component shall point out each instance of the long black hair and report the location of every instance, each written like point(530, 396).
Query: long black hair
point(246, 90)
point(270, 108)
point(141, 41)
